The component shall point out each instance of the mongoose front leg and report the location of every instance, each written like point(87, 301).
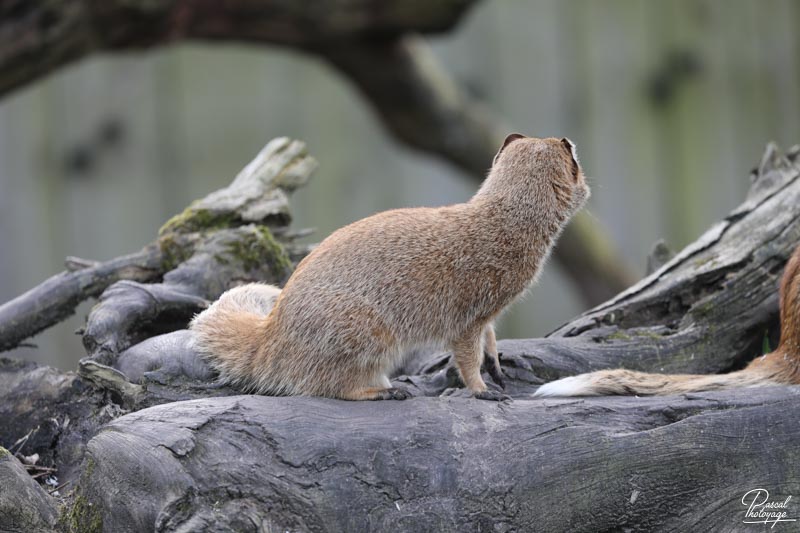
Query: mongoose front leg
point(468, 354)
point(491, 359)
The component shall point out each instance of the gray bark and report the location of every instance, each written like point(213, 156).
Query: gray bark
point(24, 507)
point(249, 463)
point(56, 298)
point(236, 234)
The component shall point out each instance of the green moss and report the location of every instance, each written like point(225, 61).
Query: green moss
point(700, 262)
point(183, 506)
point(647, 334)
point(703, 309)
point(82, 517)
point(765, 347)
point(3, 452)
point(256, 248)
point(194, 219)
point(174, 253)
point(633, 334)
point(619, 335)
point(253, 247)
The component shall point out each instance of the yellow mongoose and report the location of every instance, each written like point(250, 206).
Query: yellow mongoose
point(781, 367)
point(398, 280)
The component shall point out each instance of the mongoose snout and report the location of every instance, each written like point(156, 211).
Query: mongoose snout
point(383, 286)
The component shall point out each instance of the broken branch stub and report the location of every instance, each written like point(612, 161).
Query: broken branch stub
point(217, 242)
point(258, 194)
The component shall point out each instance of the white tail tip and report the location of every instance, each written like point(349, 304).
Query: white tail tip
point(571, 386)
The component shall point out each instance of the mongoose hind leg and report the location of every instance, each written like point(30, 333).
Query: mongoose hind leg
point(491, 359)
point(468, 355)
point(378, 393)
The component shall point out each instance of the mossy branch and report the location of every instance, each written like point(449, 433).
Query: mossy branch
point(223, 237)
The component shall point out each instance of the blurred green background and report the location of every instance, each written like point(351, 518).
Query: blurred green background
point(670, 103)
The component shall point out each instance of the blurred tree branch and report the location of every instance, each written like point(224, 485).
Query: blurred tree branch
point(367, 40)
point(38, 36)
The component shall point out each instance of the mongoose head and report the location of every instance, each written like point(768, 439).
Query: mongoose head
point(542, 172)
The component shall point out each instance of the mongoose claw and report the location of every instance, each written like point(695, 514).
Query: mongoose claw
point(497, 376)
point(492, 395)
point(394, 394)
point(492, 366)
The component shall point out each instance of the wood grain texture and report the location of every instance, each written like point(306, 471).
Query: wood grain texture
point(56, 298)
point(24, 505)
point(309, 464)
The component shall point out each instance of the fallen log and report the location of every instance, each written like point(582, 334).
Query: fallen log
point(444, 464)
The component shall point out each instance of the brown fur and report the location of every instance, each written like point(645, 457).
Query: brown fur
point(781, 366)
point(399, 280)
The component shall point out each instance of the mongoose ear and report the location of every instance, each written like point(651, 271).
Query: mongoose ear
point(510, 138)
point(570, 146)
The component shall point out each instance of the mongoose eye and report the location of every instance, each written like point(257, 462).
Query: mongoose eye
point(570, 146)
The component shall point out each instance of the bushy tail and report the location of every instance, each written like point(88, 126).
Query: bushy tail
point(611, 382)
point(779, 367)
point(230, 331)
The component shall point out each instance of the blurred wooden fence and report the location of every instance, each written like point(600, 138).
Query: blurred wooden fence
point(670, 103)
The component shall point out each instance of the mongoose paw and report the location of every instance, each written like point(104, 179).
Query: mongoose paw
point(393, 394)
point(492, 366)
point(489, 394)
point(492, 395)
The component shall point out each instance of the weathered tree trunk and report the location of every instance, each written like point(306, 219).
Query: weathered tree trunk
point(431, 463)
point(249, 463)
